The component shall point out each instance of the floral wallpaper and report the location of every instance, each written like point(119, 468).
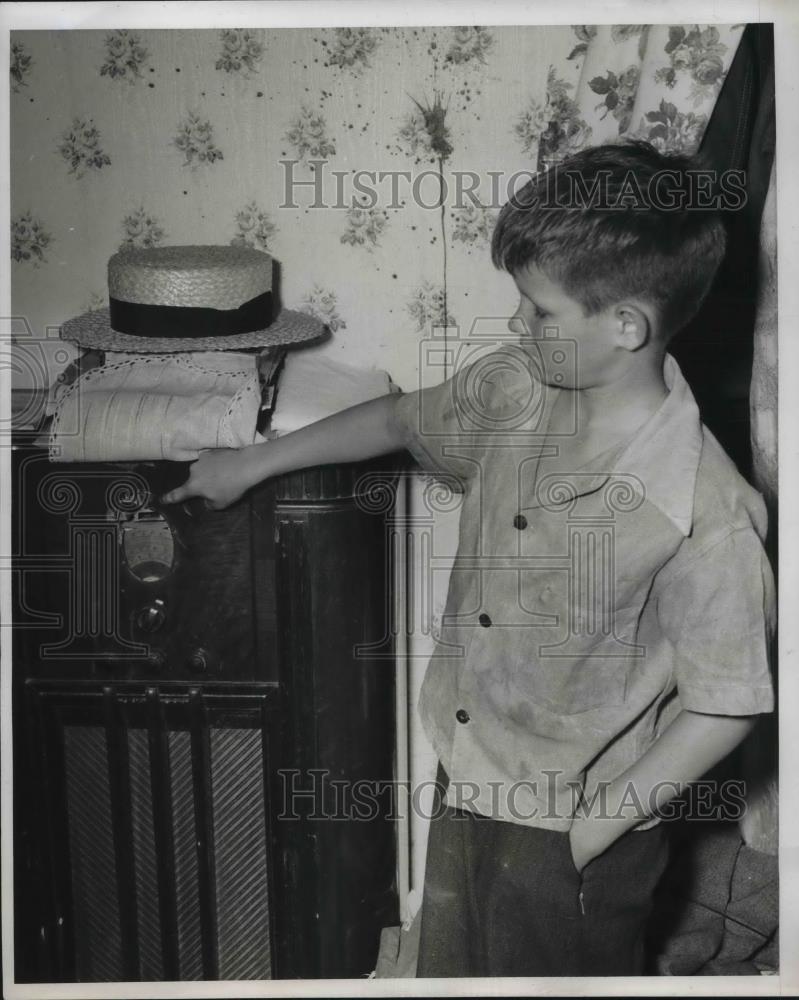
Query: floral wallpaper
point(240, 51)
point(29, 239)
point(195, 139)
point(125, 56)
point(142, 230)
point(80, 147)
point(369, 161)
point(20, 66)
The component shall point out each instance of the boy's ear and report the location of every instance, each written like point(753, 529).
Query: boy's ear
point(634, 326)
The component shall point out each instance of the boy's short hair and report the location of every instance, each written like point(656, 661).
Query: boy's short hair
point(618, 221)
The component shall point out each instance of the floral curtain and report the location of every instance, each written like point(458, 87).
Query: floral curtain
point(654, 82)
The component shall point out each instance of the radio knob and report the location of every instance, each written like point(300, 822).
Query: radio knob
point(151, 617)
point(156, 658)
point(200, 660)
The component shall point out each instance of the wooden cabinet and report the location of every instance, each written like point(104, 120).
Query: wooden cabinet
point(197, 696)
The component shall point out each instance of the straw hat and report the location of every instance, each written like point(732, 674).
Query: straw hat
point(190, 298)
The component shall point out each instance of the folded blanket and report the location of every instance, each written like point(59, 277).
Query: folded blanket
point(311, 388)
point(157, 406)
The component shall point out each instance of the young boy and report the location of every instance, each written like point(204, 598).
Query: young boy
point(610, 608)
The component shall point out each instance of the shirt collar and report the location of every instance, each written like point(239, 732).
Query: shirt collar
point(665, 452)
point(663, 455)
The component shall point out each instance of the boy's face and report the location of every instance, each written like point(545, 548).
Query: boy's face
point(547, 314)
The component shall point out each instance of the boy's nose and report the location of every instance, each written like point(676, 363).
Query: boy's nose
point(517, 325)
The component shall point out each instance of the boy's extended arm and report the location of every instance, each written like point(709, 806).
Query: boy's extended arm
point(688, 749)
point(360, 432)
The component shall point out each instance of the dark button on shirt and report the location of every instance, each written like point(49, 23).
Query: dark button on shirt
point(520, 522)
point(462, 715)
point(485, 621)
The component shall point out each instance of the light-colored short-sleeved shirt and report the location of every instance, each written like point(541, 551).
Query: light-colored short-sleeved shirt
point(586, 609)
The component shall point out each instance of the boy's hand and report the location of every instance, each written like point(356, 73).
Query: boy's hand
point(687, 749)
point(583, 842)
point(219, 475)
point(591, 836)
point(222, 475)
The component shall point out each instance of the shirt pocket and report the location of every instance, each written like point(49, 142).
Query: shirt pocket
point(570, 685)
point(582, 660)
point(584, 663)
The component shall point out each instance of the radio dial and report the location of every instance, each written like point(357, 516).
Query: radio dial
point(152, 616)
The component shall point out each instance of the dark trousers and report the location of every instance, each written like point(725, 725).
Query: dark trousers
point(501, 899)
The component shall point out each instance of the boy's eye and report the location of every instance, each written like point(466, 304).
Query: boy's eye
point(540, 313)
